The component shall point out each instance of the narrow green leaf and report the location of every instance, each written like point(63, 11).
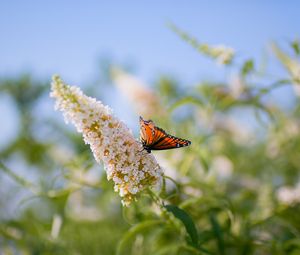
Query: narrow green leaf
point(217, 230)
point(136, 229)
point(168, 249)
point(296, 46)
point(247, 67)
point(186, 100)
point(186, 220)
point(204, 160)
point(291, 64)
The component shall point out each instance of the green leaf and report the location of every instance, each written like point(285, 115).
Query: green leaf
point(136, 229)
point(291, 64)
point(204, 159)
point(168, 249)
point(247, 67)
point(296, 47)
point(186, 220)
point(185, 101)
point(217, 230)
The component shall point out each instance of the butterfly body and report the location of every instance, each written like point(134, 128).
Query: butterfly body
point(155, 138)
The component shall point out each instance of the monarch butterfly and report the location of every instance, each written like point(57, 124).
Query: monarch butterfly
point(155, 138)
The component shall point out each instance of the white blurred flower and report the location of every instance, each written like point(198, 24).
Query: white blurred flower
point(56, 226)
point(191, 191)
point(110, 141)
point(289, 195)
point(221, 167)
point(240, 133)
point(290, 129)
point(214, 122)
point(144, 100)
point(249, 183)
point(223, 54)
point(236, 86)
point(61, 154)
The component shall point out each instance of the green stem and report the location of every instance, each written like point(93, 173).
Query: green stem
point(32, 188)
point(17, 178)
point(177, 185)
point(275, 85)
point(155, 198)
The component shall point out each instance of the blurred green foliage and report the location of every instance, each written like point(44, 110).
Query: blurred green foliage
point(235, 190)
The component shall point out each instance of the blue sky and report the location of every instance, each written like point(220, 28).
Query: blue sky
point(68, 37)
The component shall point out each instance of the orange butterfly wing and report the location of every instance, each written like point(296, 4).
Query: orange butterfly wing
point(146, 131)
point(155, 138)
point(164, 141)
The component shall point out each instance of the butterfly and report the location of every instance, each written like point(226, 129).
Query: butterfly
point(155, 138)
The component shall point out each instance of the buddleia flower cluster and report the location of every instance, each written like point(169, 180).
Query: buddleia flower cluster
point(145, 102)
point(222, 54)
point(132, 169)
point(289, 195)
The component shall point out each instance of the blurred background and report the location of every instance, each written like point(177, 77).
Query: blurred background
point(223, 75)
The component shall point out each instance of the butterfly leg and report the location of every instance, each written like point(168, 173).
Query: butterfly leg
point(143, 151)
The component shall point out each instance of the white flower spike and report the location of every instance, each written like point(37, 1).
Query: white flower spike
point(145, 102)
point(110, 141)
